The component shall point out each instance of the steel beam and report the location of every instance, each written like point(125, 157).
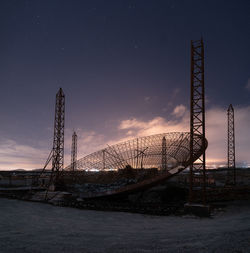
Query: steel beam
point(197, 117)
point(74, 151)
point(231, 146)
point(164, 153)
point(58, 142)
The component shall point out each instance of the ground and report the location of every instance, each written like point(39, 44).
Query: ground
point(36, 227)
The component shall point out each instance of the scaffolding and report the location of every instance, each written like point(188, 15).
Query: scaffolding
point(164, 153)
point(58, 142)
point(74, 152)
point(197, 118)
point(231, 146)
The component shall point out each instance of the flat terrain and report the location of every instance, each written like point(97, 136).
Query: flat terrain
point(36, 227)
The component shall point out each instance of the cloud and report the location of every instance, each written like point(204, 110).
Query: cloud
point(179, 111)
point(14, 155)
point(154, 126)
point(174, 94)
point(216, 132)
point(147, 99)
point(248, 84)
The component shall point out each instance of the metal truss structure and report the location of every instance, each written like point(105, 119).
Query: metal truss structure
point(58, 142)
point(197, 116)
point(231, 146)
point(164, 153)
point(74, 151)
point(145, 152)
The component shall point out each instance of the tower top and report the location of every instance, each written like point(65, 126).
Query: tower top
point(60, 92)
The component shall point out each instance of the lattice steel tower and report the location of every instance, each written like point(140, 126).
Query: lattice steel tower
point(58, 143)
point(164, 153)
point(231, 145)
point(197, 116)
point(74, 151)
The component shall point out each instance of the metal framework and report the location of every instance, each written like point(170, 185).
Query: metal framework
point(197, 116)
point(58, 143)
point(140, 155)
point(119, 156)
point(231, 145)
point(74, 151)
point(164, 153)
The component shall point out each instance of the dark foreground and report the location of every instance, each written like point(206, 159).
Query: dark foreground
point(36, 227)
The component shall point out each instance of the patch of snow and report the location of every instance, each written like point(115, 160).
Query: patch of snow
point(36, 227)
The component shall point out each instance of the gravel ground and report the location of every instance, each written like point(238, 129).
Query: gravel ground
point(36, 227)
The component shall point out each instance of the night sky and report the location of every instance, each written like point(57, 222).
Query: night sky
point(124, 67)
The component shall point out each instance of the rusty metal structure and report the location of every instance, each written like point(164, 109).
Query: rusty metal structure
point(231, 146)
point(164, 153)
point(197, 117)
point(74, 151)
point(120, 163)
point(118, 156)
point(58, 142)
